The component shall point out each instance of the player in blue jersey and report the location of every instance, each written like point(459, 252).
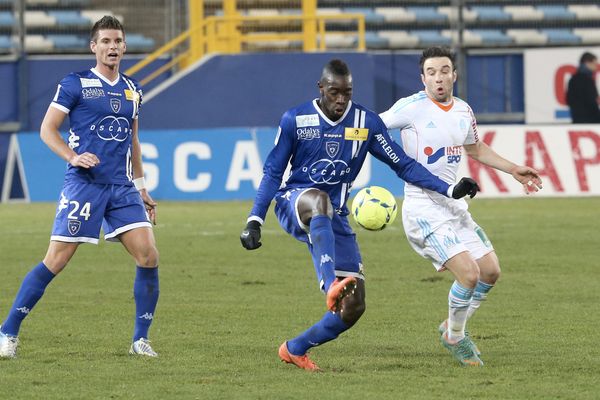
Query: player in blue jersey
point(103, 186)
point(326, 141)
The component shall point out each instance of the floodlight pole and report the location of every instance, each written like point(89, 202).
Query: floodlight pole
point(22, 66)
point(459, 47)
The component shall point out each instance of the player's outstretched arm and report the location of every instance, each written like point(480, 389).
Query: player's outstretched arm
point(526, 176)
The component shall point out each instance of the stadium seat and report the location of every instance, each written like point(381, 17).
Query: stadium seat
point(561, 36)
point(556, 12)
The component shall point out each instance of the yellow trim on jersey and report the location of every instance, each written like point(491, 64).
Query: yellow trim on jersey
point(356, 134)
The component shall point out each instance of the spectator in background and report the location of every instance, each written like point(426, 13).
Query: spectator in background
point(582, 93)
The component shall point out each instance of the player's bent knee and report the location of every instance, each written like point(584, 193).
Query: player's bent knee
point(148, 258)
point(352, 311)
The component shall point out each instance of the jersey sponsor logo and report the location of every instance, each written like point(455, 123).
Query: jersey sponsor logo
point(112, 128)
point(332, 148)
point(87, 82)
point(327, 171)
point(115, 104)
point(114, 93)
point(307, 120)
point(92, 93)
point(356, 134)
point(332, 135)
point(132, 96)
point(308, 133)
point(73, 226)
point(387, 148)
point(453, 154)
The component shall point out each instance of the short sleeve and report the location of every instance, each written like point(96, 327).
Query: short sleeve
point(67, 94)
point(472, 135)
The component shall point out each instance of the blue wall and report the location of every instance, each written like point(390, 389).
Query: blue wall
point(254, 89)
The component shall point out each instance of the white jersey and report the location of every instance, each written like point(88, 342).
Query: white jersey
point(433, 134)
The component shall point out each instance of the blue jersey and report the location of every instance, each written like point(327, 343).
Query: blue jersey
point(328, 155)
point(101, 115)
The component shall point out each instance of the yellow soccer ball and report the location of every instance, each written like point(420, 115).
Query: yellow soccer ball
point(374, 208)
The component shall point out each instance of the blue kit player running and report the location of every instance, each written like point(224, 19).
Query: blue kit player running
point(326, 141)
point(103, 186)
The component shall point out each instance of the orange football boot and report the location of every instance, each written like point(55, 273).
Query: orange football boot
point(338, 290)
point(299, 361)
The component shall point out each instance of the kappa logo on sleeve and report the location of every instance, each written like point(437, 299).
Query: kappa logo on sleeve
point(356, 134)
point(307, 120)
point(93, 82)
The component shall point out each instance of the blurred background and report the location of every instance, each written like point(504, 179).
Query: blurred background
point(217, 76)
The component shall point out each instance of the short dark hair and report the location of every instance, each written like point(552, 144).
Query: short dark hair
point(587, 57)
point(336, 67)
point(437, 51)
point(106, 22)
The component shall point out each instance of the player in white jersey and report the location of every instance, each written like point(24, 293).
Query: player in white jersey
point(103, 186)
point(435, 128)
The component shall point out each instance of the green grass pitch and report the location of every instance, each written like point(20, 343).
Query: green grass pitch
point(223, 311)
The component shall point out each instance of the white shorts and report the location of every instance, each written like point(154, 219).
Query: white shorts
point(438, 235)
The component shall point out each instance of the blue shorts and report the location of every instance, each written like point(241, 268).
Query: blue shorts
point(348, 261)
point(84, 208)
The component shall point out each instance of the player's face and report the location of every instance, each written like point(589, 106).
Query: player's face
point(438, 77)
point(336, 92)
point(109, 47)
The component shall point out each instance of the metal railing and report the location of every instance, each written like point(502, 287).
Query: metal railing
point(224, 35)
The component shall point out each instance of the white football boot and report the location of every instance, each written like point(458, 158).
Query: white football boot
point(8, 345)
point(142, 347)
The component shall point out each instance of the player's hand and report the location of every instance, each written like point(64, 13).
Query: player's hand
point(250, 236)
point(150, 205)
point(85, 160)
point(528, 177)
point(466, 186)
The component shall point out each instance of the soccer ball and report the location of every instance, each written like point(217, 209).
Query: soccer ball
point(374, 208)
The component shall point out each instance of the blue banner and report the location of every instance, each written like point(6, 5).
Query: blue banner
point(209, 164)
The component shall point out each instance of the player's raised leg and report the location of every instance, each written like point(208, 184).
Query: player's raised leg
point(31, 291)
point(140, 244)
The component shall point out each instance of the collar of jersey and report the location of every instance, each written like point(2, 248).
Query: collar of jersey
point(99, 75)
point(445, 107)
point(330, 122)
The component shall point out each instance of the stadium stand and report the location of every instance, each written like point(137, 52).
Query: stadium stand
point(61, 26)
point(58, 26)
point(394, 24)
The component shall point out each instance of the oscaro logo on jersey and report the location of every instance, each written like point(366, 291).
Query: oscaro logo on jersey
point(112, 128)
point(308, 133)
point(453, 153)
point(307, 120)
point(327, 171)
point(92, 93)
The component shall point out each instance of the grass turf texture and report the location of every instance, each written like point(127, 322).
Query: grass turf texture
point(223, 311)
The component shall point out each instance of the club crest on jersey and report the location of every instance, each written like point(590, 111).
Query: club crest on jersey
point(453, 154)
point(332, 148)
point(115, 104)
point(356, 134)
point(73, 226)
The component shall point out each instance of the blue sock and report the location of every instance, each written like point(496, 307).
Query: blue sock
point(31, 291)
point(323, 241)
point(328, 328)
point(145, 292)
